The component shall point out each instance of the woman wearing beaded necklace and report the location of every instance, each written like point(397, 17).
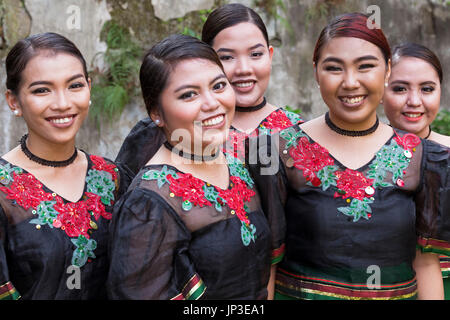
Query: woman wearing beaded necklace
point(190, 225)
point(55, 200)
point(358, 195)
point(239, 36)
point(412, 101)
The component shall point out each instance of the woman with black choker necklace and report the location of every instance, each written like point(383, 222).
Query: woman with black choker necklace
point(239, 36)
point(359, 196)
point(55, 200)
point(412, 101)
point(191, 225)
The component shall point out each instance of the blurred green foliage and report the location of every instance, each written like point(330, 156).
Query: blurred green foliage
point(442, 122)
point(113, 86)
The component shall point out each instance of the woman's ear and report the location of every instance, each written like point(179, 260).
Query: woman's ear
point(13, 103)
point(156, 118)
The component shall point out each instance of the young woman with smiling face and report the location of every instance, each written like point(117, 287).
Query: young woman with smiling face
point(191, 224)
point(358, 196)
point(412, 99)
point(240, 38)
point(47, 224)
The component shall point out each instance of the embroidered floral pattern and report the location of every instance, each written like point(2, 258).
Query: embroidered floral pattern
point(195, 192)
point(358, 190)
point(278, 120)
point(189, 188)
point(351, 184)
point(74, 218)
point(310, 158)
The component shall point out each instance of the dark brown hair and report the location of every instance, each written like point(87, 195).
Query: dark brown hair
point(162, 58)
point(228, 16)
point(419, 51)
point(352, 25)
point(26, 49)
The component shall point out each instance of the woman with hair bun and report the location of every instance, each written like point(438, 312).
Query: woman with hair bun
point(240, 38)
point(359, 196)
point(412, 101)
point(55, 199)
point(190, 226)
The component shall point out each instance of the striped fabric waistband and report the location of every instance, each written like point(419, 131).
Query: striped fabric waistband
point(314, 288)
point(8, 292)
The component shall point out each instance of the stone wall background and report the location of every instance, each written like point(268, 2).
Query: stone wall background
point(293, 29)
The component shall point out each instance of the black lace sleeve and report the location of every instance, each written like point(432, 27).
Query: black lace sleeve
point(267, 171)
point(140, 145)
point(7, 290)
point(149, 251)
point(433, 200)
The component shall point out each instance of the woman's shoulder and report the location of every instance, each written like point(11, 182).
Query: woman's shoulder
point(440, 138)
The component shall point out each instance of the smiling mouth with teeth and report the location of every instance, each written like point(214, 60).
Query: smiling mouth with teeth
point(61, 120)
point(352, 100)
point(243, 84)
point(212, 121)
point(412, 115)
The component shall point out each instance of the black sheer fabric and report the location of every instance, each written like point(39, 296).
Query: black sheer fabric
point(140, 145)
point(332, 240)
point(157, 247)
point(36, 259)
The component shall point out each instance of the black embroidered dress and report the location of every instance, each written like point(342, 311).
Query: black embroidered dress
point(175, 236)
point(46, 241)
point(352, 234)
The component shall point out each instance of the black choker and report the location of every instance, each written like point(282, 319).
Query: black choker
point(44, 162)
point(193, 157)
point(350, 133)
point(253, 108)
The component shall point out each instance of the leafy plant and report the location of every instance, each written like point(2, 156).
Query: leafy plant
point(441, 123)
point(113, 87)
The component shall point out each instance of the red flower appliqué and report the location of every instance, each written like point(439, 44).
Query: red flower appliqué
point(277, 121)
point(94, 204)
point(26, 190)
point(310, 158)
point(73, 218)
point(353, 183)
point(408, 141)
point(101, 165)
point(189, 188)
point(236, 196)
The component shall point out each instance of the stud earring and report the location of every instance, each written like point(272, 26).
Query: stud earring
point(385, 84)
point(318, 86)
point(157, 121)
point(16, 112)
point(90, 102)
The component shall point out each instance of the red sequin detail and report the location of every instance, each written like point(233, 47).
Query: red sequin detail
point(236, 196)
point(26, 190)
point(277, 121)
point(95, 205)
point(310, 158)
point(353, 183)
point(74, 217)
point(189, 188)
point(101, 165)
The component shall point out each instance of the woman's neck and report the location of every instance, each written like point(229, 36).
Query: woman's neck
point(48, 150)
